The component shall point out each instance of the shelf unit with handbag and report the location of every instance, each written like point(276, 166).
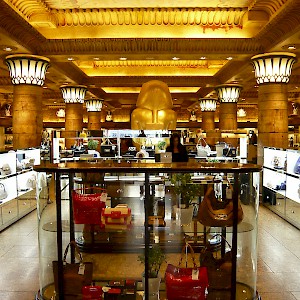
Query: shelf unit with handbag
point(281, 183)
point(17, 195)
point(235, 220)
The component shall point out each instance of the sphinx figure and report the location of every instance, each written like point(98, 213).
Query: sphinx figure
point(154, 108)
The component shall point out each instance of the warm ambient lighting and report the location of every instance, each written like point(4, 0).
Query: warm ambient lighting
point(273, 67)
point(228, 93)
point(27, 69)
point(73, 94)
point(94, 104)
point(241, 113)
point(193, 116)
point(109, 117)
point(208, 104)
point(61, 113)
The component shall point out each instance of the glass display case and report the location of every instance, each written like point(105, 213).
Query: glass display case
point(281, 182)
point(147, 214)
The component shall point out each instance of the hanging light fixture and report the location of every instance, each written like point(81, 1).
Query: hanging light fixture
point(109, 117)
point(61, 113)
point(273, 67)
point(94, 105)
point(27, 69)
point(241, 113)
point(73, 94)
point(228, 93)
point(193, 116)
point(208, 104)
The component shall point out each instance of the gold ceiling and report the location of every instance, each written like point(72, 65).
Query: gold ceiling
point(114, 47)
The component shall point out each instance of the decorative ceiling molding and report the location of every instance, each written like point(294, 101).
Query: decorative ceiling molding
point(204, 17)
point(271, 7)
point(150, 46)
point(115, 81)
point(283, 23)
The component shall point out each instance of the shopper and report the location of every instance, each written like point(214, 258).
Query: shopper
point(179, 153)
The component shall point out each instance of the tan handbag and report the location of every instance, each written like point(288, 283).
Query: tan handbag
point(213, 212)
point(75, 275)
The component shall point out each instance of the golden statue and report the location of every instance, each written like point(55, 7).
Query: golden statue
point(154, 108)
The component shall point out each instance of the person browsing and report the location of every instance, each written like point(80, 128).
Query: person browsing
point(179, 153)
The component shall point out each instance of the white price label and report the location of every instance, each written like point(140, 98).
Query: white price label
point(195, 274)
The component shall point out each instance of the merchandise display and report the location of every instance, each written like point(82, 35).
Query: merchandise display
point(17, 185)
point(116, 246)
point(281, 183)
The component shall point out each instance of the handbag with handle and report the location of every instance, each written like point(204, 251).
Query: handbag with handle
point(213, 212)
point(3, 192)
point(75, 275)
point(5, 170)
point(186, 283)
point(219, 269)
point(203, 150)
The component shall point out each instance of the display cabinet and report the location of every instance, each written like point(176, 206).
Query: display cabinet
point(17, 185)
point(281, 182)
point(151, 215)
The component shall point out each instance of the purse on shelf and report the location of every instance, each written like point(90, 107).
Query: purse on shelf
point(213, 212)
point(297, 166)
point(5, 170)
point(203, 150)
point(117, 218)
point(219, 269)
point(27, 163)
point(3, 192)
point(189, 283)
point(88, 204)
point(75, 275)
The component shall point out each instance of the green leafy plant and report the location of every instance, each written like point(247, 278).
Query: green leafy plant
point(93, 144)
point(155, 259)
point(161, 145)
point(184, 186)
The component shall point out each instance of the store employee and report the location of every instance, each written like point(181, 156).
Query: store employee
point(179, 153)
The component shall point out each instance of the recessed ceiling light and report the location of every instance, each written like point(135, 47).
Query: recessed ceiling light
point(175, 99)
point(296, 87)
point(243, 99)
point(229, 58)
point(203, 57)
point(54, 102)
point(175, 58)
point(45, 87)
point(71, 58)
point(291, 47)
point(123, 58)
point(256, 86)
point(7, 48)
point(96, 58)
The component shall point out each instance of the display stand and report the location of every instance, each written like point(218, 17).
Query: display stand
point(243, 236)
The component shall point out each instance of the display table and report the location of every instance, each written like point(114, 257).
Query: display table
point(242, 237)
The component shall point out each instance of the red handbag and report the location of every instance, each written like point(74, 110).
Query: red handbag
point(87, 205)
point(91, 292)
point(186, 283)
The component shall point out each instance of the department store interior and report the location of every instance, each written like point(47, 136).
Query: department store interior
point(146, 142)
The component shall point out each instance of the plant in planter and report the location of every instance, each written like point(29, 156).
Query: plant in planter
point(93, 144)
point(184, 186)
point(156, 257)
point(161, 145)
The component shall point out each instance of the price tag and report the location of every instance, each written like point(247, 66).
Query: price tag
point(195, 274)
point(103, 197)
point(81, 269)
point(228, 193)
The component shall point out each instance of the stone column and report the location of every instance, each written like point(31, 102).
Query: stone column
point(208, 107)
point(272, 72)
point(74, 98)
point(27, 73)
point(73, 122)
point(93, 107)
point(228, 95)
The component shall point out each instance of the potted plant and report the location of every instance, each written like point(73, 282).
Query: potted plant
point(161, 145)
point(184, 186)
point(155, 259)
point(93, 144)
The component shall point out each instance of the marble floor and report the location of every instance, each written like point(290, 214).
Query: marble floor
point(278, 259)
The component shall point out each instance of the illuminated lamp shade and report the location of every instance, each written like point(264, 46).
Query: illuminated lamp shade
point(73, 94)
point(208, 104)
point(27, 69)
point(61, 113)
point(109, 117)
point(228, 93)
point(94, 105)
point(193, 116)
point(273, 67)
point(241, 113)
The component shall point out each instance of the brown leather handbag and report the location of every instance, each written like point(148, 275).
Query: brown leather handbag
point(213, 212)
point(75, 275)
